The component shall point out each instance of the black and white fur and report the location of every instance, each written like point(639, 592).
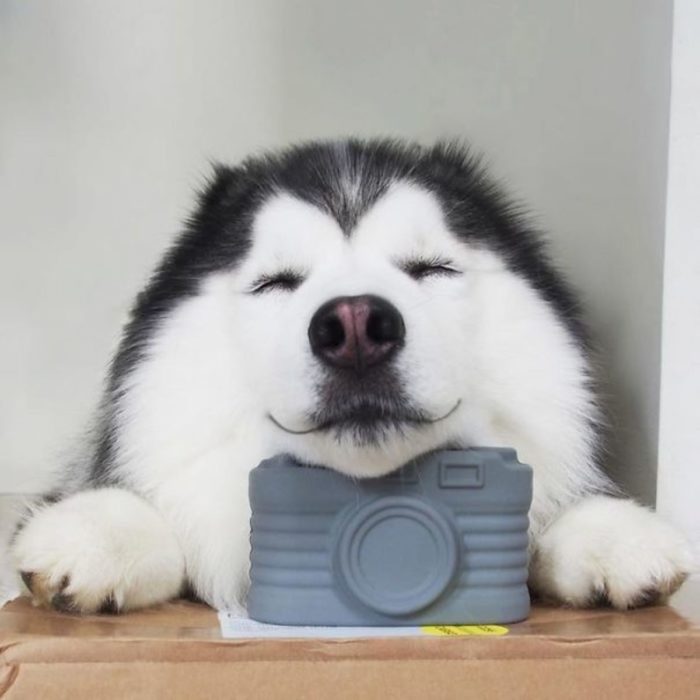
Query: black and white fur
point(215, 372)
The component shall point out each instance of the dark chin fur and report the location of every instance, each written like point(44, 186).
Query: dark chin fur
point(365, 409)
point(370, 426)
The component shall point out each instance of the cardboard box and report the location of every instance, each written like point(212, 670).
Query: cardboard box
point(176, 651)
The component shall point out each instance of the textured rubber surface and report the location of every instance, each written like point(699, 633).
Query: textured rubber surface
point(441, 541)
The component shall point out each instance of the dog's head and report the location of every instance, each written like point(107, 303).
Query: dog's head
point(358, 335)
point(368, 285)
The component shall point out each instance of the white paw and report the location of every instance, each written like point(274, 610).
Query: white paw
point(102, 550)
point(606, 549)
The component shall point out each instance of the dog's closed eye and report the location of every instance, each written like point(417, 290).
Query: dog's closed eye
point(422, 268)
point(283, 280)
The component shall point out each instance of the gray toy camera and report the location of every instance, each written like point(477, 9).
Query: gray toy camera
point(443, 540)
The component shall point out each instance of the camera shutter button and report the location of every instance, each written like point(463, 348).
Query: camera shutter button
point(397, 555)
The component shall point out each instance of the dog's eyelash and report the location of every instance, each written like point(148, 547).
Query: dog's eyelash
point(428, 267)
point(285, 280)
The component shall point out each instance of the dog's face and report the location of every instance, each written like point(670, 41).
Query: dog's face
point(359, 342)
point(354, 304)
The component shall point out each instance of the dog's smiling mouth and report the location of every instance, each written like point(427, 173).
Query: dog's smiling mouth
point(367, 420)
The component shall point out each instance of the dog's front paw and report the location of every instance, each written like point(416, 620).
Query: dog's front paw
point(98, 551)
point(609, 550)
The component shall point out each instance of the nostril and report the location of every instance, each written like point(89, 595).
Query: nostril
point(385, 326)
point(330, 333)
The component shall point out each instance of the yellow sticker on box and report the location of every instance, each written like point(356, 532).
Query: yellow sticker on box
point(464, 630)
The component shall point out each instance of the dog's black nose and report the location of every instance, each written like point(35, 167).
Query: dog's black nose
point(356, 332)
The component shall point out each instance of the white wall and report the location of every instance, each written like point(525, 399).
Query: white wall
point(110, 111)
point(679, 476)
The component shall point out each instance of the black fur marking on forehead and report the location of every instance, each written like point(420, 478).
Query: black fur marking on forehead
point(344, 179)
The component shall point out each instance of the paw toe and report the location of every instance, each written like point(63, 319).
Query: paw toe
point(39, 586)
point(658, 592)
point(599, 597)
point(64, 602)
point(27, 578)
point(109, 606)
point(646, 597)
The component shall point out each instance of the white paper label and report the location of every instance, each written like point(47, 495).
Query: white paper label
point(234, 626)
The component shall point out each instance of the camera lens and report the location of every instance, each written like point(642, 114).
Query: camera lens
point(396, 555)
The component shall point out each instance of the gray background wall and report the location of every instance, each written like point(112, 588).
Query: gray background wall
point(111, 110)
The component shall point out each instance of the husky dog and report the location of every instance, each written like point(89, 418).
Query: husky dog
point(355, 304)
